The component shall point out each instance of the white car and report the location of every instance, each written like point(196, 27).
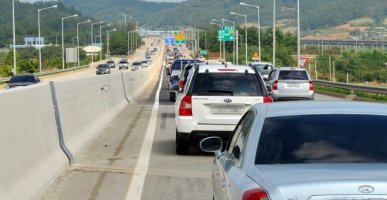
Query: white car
point(144, 63)
point(263, 67)
point(123, 64)
point(213, 100)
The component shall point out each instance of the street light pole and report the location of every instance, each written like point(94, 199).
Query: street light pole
point(274, 37)
point(91, 39)
point(87, 21)
point(220, 43)
point(108, 41)
point(14, 37)
point(100, 38)
point(259, 29)
point(63, 37)
point(224, 43)
point(298, 35)
point(40, 40)
point(233, 41)
point(245, 16)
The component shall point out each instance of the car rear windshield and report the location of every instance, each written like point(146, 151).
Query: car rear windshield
point(175, 78)
point(323, 139)
point(292, 75)
point(226, 84)
point(178, 65)
point(263, 68)
point(22, 78)
point(103, 66)
point(123, 61)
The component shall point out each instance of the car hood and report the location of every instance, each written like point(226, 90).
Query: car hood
point(302, 181)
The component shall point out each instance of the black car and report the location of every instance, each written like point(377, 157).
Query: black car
point(103, 69)
point(21, 80)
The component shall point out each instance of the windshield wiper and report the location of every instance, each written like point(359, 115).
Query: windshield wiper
point(222, 91)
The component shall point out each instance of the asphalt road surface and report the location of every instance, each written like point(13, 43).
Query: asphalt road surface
point(134, 157)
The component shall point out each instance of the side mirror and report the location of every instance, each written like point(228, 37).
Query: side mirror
point(38, 80)
point(211, 144)
point(7, 81)
point(268, 88)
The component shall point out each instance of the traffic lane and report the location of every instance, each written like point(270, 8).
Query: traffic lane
point(171, 176)
point(322, 97)
point(103, 169)
point(138, 54)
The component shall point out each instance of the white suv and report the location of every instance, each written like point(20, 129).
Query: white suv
point(213, 100)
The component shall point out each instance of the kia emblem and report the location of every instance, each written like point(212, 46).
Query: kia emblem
point(227, 100)
point(366, 189)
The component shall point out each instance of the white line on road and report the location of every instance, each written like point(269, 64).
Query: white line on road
point(137, 181)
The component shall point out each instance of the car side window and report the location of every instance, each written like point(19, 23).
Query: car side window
point(271, 75)
point(189, 77)
point(237, 145)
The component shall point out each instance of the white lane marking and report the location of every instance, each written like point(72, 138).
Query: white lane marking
point(138, 178)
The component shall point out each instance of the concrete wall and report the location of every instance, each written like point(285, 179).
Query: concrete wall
point(30, 155)
point(136, 82)
point(87, 105)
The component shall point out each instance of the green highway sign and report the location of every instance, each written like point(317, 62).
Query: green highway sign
point(203, 52)
point(180, 41)
point(225, 36)
point(229, 28)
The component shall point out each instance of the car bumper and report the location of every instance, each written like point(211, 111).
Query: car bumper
point(290, 96)
point(194, 132)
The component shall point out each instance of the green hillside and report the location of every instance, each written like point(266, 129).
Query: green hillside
point(26, 17)
point(315, 13)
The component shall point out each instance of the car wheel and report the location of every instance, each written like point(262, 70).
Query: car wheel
point(182, 146)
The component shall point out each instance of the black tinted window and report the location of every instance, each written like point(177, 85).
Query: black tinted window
point(292, 75)
point(103, 66)
point(323, 139)
point(226, 84)
point(174, 78)
point(22, 78)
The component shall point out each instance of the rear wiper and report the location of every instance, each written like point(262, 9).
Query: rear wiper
point(222, 91)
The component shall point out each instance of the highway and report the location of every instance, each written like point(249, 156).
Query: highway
point(134, 157)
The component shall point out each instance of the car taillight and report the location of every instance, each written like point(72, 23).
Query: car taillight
point(311, 86)
point(255, 194)
point(185, 108)
point(267, 99)
point(181, 84)
point(275, 85)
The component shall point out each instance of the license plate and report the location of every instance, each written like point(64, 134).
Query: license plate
point(293, 85)
point(227, 109)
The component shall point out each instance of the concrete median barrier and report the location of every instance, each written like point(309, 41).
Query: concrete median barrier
point(87, 105)
point(30, 155)
point(42, 124)
point(136, 82)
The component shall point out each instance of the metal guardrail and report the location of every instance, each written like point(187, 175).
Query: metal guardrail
point(3, 80)
point(353, 87)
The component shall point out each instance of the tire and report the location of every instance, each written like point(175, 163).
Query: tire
point(182, 146)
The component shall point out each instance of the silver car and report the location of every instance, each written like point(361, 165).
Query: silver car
point(264, 68)
point(304, 151)
point(290, 83)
